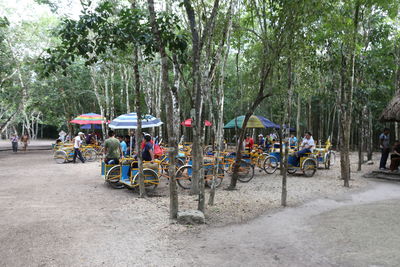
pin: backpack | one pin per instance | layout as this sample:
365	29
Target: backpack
158	151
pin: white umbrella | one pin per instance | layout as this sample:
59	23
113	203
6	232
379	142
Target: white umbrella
129	121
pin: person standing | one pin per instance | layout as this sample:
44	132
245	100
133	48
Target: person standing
132	140
384	140
14	142
112	149
124	147
77	147
24	141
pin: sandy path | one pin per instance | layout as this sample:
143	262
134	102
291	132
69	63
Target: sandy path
64	215
352	230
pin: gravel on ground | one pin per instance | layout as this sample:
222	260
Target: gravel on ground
64	214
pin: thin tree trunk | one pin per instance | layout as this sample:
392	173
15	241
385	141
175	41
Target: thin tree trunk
98	98
309	112
298	130
347	104
112	106
138	137
196	113
360	142
287	122
369	136
284	176
220	104
172	107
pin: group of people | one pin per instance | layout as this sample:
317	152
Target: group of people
120	146
262	142
90	138
117	147
307	145
24	140
266	142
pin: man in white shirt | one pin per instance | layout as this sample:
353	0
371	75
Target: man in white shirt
307	145
77	146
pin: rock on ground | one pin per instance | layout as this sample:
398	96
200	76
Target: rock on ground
191	217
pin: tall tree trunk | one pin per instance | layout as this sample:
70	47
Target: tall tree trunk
138	137
298	130
287	122
369	136
196	112
127	78
98	98
309	112
264	73
172	107
112	107
284	176
361	137
348	82
220	103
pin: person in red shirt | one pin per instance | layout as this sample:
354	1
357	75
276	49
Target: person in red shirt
249	142
144	142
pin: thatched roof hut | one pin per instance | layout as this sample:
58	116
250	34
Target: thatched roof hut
392	111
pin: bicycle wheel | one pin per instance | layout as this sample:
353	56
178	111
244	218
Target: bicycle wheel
60	156
291	170
228	159
151	180
184	176
165	165
113	176
260	160
246	171
327	160
309	167
90	155
332	158
270	164
208	150
209	176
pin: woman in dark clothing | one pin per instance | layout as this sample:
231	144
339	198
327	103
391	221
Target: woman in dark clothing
395	157
148	151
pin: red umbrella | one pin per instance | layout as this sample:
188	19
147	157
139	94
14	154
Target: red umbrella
188	123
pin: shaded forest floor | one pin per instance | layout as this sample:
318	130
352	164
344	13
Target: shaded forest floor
65	215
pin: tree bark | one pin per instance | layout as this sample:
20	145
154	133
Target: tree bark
98	98
138	136
360	142
220	103
347	88
172	107
298	115
284	176
196	113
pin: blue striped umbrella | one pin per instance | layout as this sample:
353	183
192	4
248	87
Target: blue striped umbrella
129	121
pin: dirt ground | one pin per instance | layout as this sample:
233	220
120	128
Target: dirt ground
354	229
65	215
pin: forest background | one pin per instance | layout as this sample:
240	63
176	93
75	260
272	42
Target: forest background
307	55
